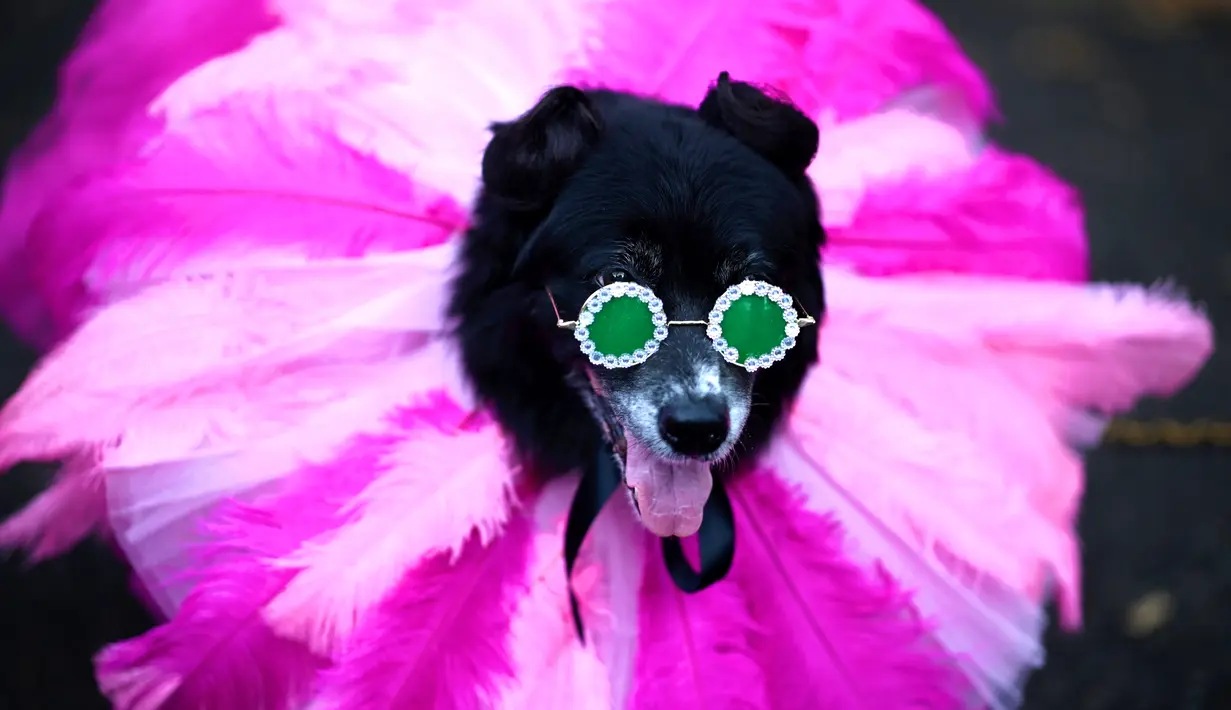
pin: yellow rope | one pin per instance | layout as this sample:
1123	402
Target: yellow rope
1168	433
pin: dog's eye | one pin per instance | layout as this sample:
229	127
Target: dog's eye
612	276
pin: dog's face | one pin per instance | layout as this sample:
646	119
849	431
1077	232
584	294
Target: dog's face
684	203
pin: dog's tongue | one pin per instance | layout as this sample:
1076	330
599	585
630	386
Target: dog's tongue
670	495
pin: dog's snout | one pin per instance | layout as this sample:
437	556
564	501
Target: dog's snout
695	426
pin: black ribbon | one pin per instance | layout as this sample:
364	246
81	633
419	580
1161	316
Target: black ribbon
716	538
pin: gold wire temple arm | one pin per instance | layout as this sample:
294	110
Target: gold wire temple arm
805	319
560	322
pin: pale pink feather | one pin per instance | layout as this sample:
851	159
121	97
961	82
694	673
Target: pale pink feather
440	640
432	493
834	635
698	651
189	360
1101	346
72	507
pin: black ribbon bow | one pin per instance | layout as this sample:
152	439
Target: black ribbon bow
716	537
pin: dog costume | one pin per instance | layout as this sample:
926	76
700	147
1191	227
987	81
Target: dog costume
234	236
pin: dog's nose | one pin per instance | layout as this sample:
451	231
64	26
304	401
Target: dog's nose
694	426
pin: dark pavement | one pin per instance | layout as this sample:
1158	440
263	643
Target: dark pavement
1131	101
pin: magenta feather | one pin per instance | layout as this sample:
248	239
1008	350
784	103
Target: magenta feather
1004	216
835	635
217	653
128	53
440	641
239	187
861	54
697	651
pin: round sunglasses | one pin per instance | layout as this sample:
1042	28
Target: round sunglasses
752	324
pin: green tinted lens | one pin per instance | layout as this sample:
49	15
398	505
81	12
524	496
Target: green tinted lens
621	325
753	324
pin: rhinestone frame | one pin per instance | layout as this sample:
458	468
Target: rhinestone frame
751	287
595	303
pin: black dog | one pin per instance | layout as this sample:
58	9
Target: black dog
594	187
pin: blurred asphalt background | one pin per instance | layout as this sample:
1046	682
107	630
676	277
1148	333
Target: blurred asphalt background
1131	101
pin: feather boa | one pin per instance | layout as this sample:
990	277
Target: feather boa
254	395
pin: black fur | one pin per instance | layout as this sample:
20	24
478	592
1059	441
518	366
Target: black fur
687	201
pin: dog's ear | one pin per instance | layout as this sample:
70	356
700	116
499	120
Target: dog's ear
770	125
528	160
